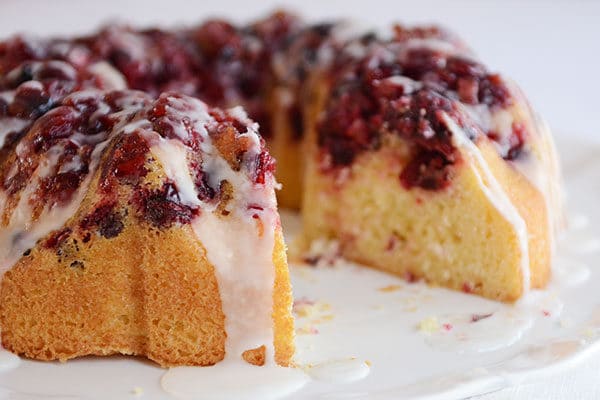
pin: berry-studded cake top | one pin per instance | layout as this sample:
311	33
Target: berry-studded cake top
65	103
117	137
404	86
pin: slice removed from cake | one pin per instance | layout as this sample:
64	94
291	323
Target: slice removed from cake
143	226
422	163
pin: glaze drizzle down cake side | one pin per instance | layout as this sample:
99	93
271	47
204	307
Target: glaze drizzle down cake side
141	226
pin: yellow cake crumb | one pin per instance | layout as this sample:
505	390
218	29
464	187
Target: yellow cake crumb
324	318
390	288
429	325
307	309
589	333
137	391
307	329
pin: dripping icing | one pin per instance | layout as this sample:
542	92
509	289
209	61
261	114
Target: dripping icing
245	272
494	192
22	232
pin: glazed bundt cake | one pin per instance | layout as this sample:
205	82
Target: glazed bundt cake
137	225
138	220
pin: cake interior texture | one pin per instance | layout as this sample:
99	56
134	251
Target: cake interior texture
137	219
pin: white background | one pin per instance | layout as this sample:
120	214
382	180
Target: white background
551	48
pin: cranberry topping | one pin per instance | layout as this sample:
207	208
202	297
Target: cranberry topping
162	207
218	38
14	183
404	91
16	50
356	120
236	62
222	117
427	170
37	87
152	60
227	64
126	161
105	219
169	117
517	141
61	143
59	124
57	238
30	102
59	188
265	164
205	192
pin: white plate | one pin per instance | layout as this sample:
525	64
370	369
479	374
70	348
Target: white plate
347	321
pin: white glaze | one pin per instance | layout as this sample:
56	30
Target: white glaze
541	167
494	192
8	96
172	155
578	222
240	247
22	232
245	274
493	327
111	78
233	381
339	371
409	85
458	333
539	162
439	45
243	263
9	125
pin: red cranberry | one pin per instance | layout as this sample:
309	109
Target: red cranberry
105	219
163	208
205	192
214	36
127	162
59	188
517	141
57	238
265	165
61	123
30	101
428	170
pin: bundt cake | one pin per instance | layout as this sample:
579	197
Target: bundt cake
137	225
138	220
